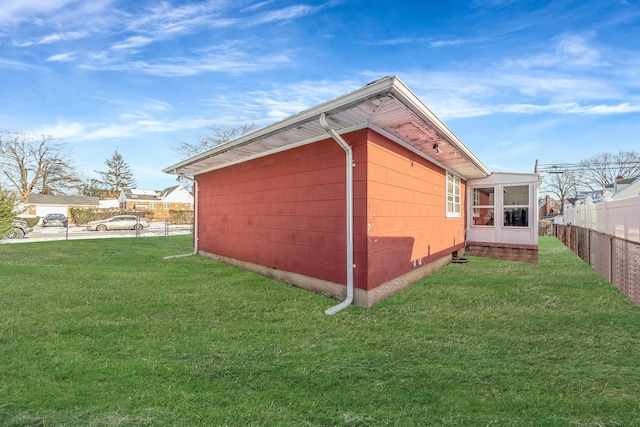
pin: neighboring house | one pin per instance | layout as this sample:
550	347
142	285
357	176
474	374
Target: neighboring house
159	202
43	204
620	189
548	207
357	198
109	204
627	188
584	195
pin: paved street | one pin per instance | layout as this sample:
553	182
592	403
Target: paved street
40	234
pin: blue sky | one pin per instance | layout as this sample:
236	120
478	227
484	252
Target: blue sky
517	81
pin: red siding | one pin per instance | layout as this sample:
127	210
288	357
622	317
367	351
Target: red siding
285	211
407	223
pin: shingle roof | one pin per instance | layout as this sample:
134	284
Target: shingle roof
47	199
148	195
164	193
137	194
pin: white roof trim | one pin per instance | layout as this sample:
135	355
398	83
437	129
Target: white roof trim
386	106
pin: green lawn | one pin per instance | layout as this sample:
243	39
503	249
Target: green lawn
106	333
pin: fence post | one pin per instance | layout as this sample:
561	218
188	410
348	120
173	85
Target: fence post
606	228
612	259
589	233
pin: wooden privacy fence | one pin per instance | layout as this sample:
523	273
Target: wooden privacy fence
616	259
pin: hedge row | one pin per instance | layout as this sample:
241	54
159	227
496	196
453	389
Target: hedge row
81	216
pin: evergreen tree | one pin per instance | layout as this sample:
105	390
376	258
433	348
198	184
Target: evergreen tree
117	176
7	205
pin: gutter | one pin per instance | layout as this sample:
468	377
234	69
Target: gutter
349	217
196	191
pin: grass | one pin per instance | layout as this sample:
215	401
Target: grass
106	333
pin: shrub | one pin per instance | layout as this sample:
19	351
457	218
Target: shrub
81	216
180	216
545	228
31	221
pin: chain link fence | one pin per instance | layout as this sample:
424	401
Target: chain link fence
74	232
616	259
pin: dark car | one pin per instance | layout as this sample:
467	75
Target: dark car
20	229
54	220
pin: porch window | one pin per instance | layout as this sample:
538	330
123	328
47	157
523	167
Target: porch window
516	206
453	195
484	206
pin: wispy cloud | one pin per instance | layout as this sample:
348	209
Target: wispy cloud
442	43
473	93
417	41
132	42
291	12
225	61
570	50
398	41
83	131
20	65
62	57
63	129
18	10
71	35
52	38
284	100
623	108
148	110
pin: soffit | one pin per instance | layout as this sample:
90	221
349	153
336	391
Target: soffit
386	105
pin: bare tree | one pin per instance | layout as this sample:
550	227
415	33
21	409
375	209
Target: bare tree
93	187
56	178
563	185
220	136
33	164
605	168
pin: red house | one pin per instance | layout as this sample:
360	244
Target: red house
356	198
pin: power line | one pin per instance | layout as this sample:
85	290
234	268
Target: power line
586	167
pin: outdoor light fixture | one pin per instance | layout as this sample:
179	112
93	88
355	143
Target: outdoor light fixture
437	148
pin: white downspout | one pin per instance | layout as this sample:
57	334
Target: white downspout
196	191
349	178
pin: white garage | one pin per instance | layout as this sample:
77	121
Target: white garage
43	204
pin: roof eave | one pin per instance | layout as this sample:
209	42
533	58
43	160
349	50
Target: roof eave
372	90
388	86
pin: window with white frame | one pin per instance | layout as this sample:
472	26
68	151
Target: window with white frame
453	195
483	206
516	206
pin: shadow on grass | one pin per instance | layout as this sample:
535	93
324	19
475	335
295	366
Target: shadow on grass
107	333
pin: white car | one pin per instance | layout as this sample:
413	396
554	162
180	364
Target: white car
119	222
